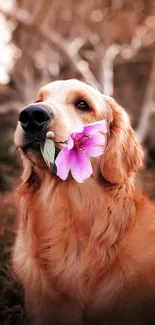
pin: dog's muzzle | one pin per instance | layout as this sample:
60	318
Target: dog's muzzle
34	117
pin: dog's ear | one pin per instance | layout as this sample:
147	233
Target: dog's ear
123	155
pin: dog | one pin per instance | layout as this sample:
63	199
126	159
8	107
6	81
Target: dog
84	253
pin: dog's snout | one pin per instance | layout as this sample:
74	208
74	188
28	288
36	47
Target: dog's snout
34	117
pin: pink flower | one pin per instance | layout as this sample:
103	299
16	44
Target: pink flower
83	141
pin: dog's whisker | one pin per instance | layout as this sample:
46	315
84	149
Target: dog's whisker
32	162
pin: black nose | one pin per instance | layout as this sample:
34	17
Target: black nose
34	117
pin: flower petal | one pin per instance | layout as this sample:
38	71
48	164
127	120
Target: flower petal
100	126
95	145
63	163
76	128
70	142
80	166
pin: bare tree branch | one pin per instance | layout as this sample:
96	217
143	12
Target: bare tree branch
107	68
11	106
52	38
148	107
75	46
127	53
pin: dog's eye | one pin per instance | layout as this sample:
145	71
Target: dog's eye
82	105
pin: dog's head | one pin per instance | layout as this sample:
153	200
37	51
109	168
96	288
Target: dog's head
63	103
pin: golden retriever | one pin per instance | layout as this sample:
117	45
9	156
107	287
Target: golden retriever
85	253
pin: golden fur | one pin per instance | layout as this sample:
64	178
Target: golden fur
85	253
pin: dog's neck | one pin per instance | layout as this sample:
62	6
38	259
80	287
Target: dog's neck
77	227
101	211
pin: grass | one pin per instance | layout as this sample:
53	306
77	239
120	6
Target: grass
11	293
11	298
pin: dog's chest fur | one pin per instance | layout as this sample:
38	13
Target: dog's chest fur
65	254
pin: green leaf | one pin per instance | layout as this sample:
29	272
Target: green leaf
48	152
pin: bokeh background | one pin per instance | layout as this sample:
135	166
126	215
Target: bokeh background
107	43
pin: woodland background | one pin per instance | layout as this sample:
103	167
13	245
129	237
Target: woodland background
107	43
